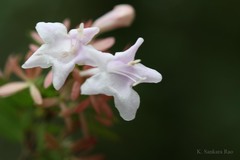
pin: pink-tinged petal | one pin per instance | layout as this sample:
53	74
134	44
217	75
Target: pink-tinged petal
36	95
82	105
103	44
49	102
75	90
48	79
36	37
126	99
76	75
14	67
95	104
121	16
67	23
11	88
128	55
88	23
51	32
33	47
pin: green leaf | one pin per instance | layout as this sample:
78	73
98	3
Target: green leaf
10	126
102	131
15	115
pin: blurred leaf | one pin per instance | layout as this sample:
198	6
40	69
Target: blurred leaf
39	132
10	126
101	131
21	99
15	115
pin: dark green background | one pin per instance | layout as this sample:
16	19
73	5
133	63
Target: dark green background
193	43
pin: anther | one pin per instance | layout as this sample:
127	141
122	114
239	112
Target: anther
131	63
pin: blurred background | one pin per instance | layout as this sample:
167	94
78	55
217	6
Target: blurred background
194	44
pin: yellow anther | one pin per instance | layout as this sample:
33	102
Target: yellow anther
131	63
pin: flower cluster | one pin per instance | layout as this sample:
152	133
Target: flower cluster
81	65
112	75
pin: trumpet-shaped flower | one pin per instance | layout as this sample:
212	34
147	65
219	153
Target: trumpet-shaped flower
61	50
116	75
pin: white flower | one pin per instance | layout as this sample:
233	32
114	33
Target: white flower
116	75
61	50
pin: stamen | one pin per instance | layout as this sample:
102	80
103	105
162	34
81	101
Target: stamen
123	74
136	83
80	30
72	51
131	63
134	77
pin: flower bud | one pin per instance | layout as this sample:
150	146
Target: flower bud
121	16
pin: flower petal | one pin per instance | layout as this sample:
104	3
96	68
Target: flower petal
67	23
127	102
48	79
13	67
50	32
75	90
138	73
36	95
35	36
60	73
11	88
126	99
38	59
33	47
85	35
104	44
92	57
88	34
129	54
150	75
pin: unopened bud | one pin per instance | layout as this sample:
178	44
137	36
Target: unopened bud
121	16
